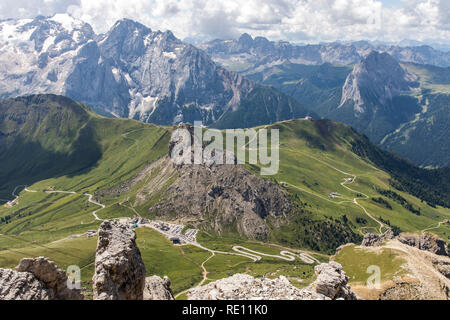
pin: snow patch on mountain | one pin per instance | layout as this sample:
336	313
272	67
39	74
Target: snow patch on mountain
130	71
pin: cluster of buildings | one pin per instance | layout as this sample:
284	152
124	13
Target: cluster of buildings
174	232
334	195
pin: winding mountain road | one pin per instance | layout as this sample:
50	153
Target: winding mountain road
284	255
247	253
343	184
435	227
90	198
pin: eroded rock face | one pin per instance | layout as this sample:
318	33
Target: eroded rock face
231	191
403	291
331	283
158	289
425	242
443	267
21	286
246	287
36	279
236	197
373	239
378	76
119	269
53	278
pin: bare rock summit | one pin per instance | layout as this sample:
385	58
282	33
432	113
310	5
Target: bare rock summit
119	269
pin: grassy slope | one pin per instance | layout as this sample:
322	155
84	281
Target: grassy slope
126	147
27	129
356	262
309	163
310	158
411	123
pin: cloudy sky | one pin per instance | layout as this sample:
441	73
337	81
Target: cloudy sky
293	20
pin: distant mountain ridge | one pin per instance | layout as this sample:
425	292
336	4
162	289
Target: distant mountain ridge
248	54
130	71
401	106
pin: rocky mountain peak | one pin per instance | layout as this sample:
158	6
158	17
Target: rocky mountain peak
125	38
54	35
381	62
127	25
376	79
130	71
126	28
245	41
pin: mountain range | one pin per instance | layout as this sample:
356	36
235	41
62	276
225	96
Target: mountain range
396	95
129	71
401	106
248	54
86	137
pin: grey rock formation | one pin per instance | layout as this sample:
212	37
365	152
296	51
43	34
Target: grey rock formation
246	287
377	77
53	278
158	289
36	279
21	286
119	269
426	242
376	96
230	190
331	283
374	239
404	291
240	199
443	267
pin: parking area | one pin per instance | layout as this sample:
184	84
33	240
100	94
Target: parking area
174	232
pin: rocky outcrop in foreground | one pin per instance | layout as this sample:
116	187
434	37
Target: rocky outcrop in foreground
158	289
425	242
119	269
331	283
36	279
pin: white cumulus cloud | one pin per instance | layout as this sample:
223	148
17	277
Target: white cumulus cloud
294	20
